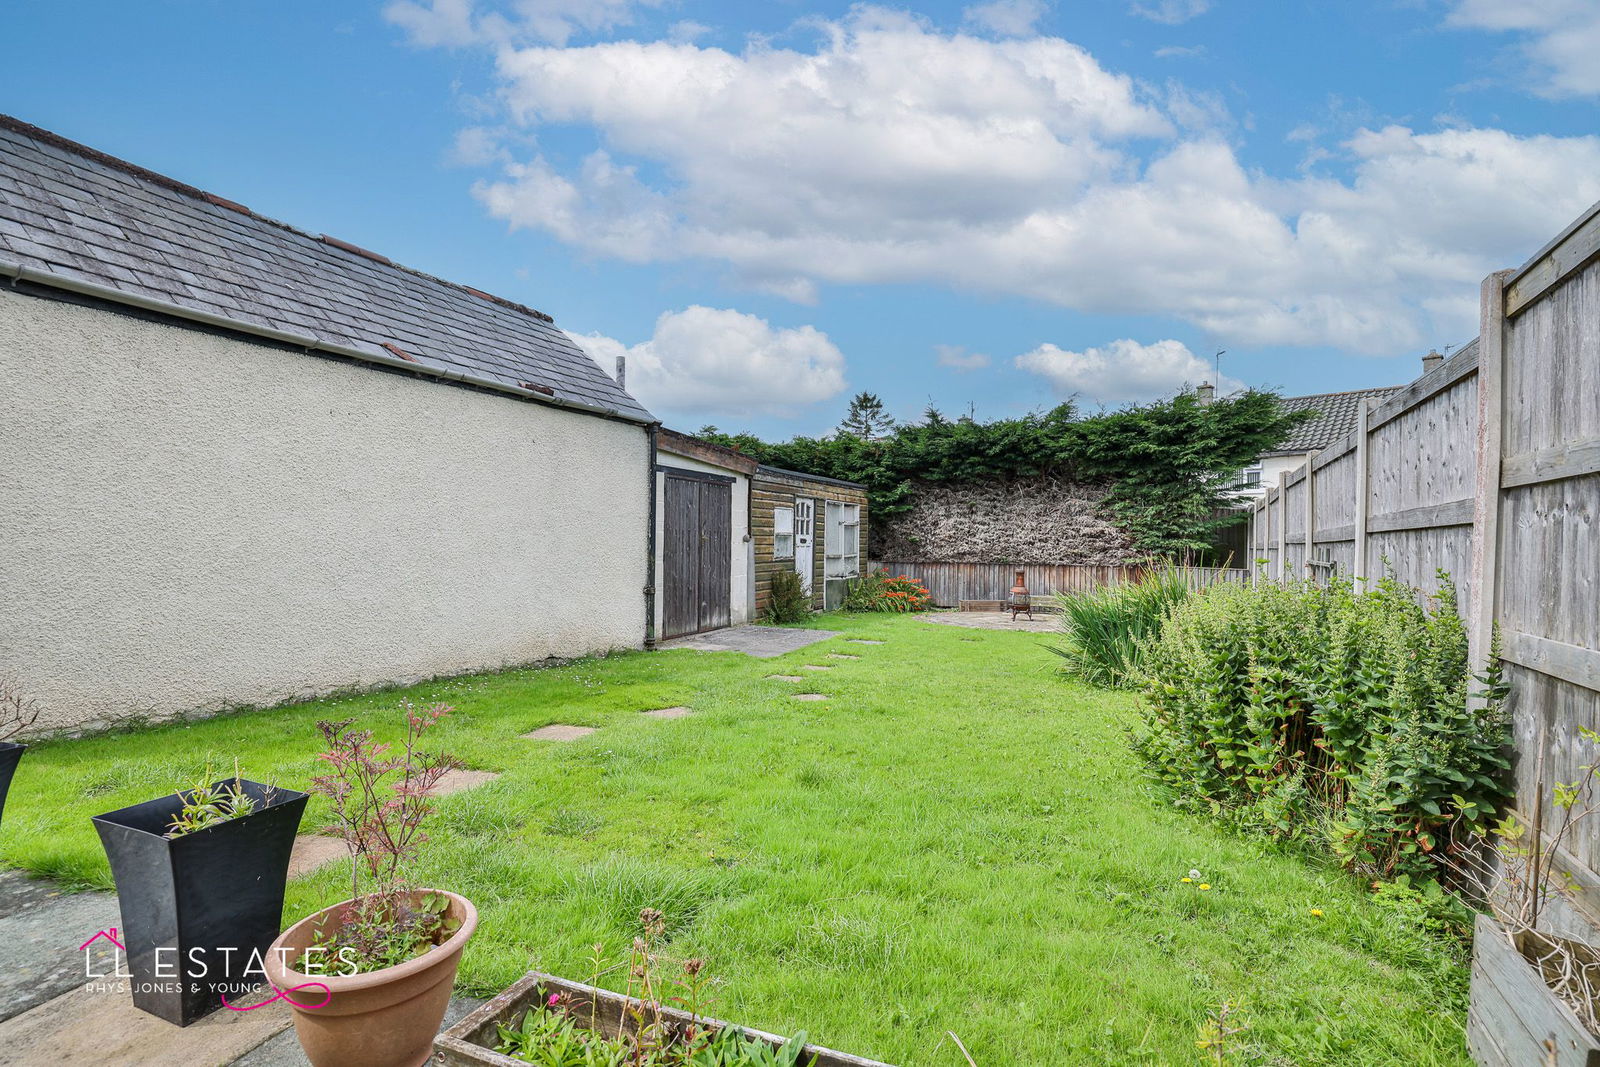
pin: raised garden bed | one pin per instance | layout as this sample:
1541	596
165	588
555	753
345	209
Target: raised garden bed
472	1041
1514	1018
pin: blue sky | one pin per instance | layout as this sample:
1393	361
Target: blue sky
768	206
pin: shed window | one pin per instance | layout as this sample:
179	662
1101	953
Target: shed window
783	533
842	540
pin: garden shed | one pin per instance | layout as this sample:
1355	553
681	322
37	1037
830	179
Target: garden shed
705	567
247	463
813	525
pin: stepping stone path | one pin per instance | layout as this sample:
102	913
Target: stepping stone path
814	667
559	732
667	713
785	678
863	641
843	655
810	696
313	852
461	779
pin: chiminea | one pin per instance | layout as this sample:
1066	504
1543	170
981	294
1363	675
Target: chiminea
1020	600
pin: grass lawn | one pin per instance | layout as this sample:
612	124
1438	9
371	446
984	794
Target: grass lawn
956	840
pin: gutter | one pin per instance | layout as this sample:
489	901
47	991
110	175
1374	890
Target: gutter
18	272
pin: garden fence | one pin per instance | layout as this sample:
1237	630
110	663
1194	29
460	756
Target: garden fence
1487	468
951	583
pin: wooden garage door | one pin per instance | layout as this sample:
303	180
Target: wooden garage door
697	553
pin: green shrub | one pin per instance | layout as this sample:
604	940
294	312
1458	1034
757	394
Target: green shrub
879	591
1308	710
789	601
1106	629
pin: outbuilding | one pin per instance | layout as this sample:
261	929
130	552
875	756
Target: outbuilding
705	566
246	464
814	526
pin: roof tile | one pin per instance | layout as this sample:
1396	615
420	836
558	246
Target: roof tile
74	211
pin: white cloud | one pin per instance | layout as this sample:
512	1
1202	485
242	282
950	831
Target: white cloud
893	153
1169	12
1562	38
706	361
453	23
1008	18
1122	371
1174	51
959	359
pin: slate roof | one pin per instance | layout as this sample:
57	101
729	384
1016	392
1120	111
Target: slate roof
80	214
1335	417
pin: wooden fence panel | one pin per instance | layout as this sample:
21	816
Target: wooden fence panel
1547	563
1488	468
951	583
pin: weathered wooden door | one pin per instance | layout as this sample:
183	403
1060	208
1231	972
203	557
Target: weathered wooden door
697	553
804	525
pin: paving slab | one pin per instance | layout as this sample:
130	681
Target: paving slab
284	1049
842	655
559	732
863	641
315	851
96	1023
763	642
667	713
41	931
810	696
785	678
461	779
996	620
814	667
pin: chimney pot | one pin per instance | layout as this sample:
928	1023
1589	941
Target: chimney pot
622	372
1431	361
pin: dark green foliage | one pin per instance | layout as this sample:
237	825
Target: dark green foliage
789	601
1169	464
1312	711
1108	627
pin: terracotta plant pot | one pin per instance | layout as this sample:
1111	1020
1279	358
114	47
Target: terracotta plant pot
386	1018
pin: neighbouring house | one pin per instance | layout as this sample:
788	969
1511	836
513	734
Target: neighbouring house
815	526
705	562
1334	416
245	463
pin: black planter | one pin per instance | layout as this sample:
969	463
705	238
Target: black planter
199	911
10	756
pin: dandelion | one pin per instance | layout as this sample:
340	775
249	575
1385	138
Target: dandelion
1205	885
1194	876
1317	912
1186	879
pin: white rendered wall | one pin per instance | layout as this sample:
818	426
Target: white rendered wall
190	521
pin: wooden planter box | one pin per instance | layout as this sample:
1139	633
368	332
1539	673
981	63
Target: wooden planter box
1514	1019
471	1042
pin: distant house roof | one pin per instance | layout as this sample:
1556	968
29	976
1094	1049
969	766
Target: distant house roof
69	213
1335	416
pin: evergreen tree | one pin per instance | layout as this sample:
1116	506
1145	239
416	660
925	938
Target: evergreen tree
866	418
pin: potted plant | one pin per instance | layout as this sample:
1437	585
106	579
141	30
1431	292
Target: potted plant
17	713
1535	995
553	1022
200	877
369	978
